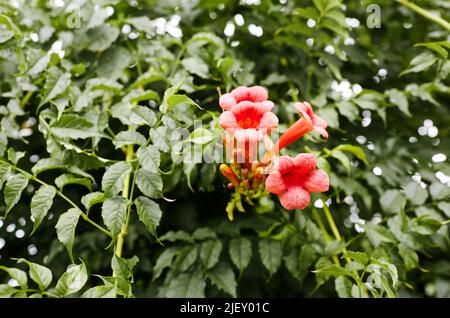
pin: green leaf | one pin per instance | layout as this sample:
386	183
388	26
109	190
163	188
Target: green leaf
17	274
201	136
41	204
39	65
113	213
359	257
13	190
439	191
392	201
160	138
444	207
399	99
186	258
72	280
129	138
336	271
100	292
172	236
149	183
74	127
196	65
100	38
378	234
7	291
223	277
92	198
435	46
56	84
204	233
164	260
271	254
146	114
65	229
210	251
187	285
409	256
143	24
40	274
357	151
15	156
240	250
67	178
415	193
149	213
123	271
339	155
343	287
420	63
47	164
149	158
114	178
176	99
6	21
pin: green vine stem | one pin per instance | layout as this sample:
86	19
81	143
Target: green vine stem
61	195
327	236
425	13
127	195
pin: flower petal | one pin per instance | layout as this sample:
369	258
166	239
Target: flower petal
275	183
257	94
317	181
321	131
248	135
305	162
285	164
227	101
268	121
227	120
295	198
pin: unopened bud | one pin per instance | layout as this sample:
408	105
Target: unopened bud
228	173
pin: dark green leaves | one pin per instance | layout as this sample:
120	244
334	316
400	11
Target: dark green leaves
40	204
415	193
56	84
129	138
392	201
271	254
114	213
39	274
223	277
149	213
72	280
240	252
187	285
149	158
74	127
114	178
149	183
210	251
13	189
65	229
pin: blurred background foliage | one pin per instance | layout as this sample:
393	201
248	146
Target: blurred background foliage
115	73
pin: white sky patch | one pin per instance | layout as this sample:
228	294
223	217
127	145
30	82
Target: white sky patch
57	3
330	49
352	22
349	41
318	203
239	19
250	2
34	37
57	49
109	11
229	29
32	250
422	131
311	23
20	233
432	132
2	243
382	72
439	157
357	89
255	30
361	139
126	28
412	139
377	171
310	41
428	123
442	177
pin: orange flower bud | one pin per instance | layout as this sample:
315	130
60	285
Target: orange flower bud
226	171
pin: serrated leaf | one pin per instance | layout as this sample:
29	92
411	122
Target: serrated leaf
439	191
74	127
40	274
72	280
359	257
201	136
187	285
13	190
271	254
7	291
164	260
143	24
415	193
92	198
210	252
17	274
101	37
196	65
335	270
149	158
240	250
172	236
149	183
114	178
100	292
160	138
4	169
146	114
204	233
67	178
409	256
444	207
399	99
420	63
185	258
129	138
149	213
47	164
176	99
41	204
392	201
339	155
57	82
357	151
65	229
223	277
113	213
378	234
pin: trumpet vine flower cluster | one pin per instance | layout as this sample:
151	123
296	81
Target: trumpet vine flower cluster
247	120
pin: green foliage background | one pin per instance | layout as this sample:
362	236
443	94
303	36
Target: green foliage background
126	79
